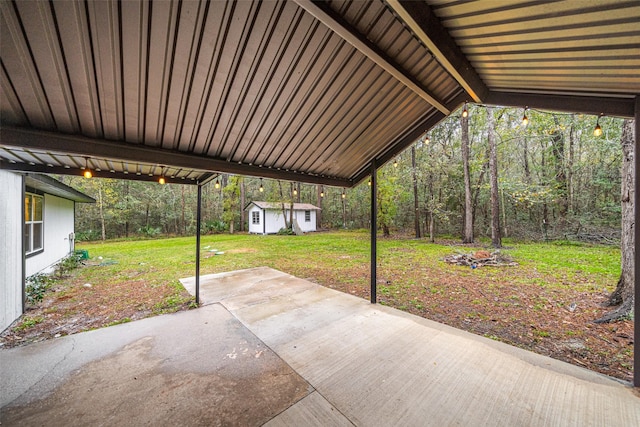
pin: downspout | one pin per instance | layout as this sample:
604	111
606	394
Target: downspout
374	230
636	264
264	221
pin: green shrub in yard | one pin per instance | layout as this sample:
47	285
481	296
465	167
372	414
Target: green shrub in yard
149	231
68	264
36	286
214	227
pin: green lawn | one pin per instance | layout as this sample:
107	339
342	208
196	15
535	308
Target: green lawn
546	303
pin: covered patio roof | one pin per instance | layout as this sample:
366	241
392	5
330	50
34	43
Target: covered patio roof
296	90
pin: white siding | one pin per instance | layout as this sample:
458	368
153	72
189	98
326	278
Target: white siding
11	223
275	220
306	226
58	224
256	228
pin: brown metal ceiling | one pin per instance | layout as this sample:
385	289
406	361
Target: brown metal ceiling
298	90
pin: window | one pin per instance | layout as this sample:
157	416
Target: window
307	216
33	235
255	217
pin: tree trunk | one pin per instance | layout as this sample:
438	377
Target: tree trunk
557	147
242	203
496	237
623	295
298	195
319	203
468	212
100	205
287	224
416	206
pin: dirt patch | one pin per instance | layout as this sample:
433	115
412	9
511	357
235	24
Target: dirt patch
242	251
73	305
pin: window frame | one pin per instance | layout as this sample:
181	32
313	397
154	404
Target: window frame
255	217
31	223
307	216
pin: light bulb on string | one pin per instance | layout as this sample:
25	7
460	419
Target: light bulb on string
597	131
87	172
525	119
344	195
321	191
395	163
217	184
465	112
261	187
161	180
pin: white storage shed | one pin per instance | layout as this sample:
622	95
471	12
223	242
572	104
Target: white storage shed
267	217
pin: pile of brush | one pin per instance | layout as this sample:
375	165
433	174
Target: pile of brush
481	259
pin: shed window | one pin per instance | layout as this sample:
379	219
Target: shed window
307	216
255	217
33	224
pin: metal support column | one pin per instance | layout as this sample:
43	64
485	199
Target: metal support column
198	224
374	230
636	243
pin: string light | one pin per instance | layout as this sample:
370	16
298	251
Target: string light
321	191
525	119
426	139
87	172
465	112
344	195
217	184
295	191
395	163
161	180
369	182
597	131
261	187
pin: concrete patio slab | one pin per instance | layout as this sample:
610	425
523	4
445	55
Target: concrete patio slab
269	348
200	367
380	366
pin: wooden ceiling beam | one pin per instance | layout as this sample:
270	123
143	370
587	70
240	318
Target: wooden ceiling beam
608	106
341	27
104	149
425	24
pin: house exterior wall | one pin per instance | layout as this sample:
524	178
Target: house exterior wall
11	224
58	218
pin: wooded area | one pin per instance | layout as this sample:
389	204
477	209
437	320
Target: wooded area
553	179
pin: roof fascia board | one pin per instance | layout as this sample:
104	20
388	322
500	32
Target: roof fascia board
619	107
100	148
428	28
339	26
57	170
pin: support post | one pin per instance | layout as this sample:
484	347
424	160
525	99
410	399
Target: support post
374	230
198	223
636	264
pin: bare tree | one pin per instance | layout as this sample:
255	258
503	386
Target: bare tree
416	206
496	237
468	206
623	295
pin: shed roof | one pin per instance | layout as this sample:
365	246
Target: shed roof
298	90
49	185
278	206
